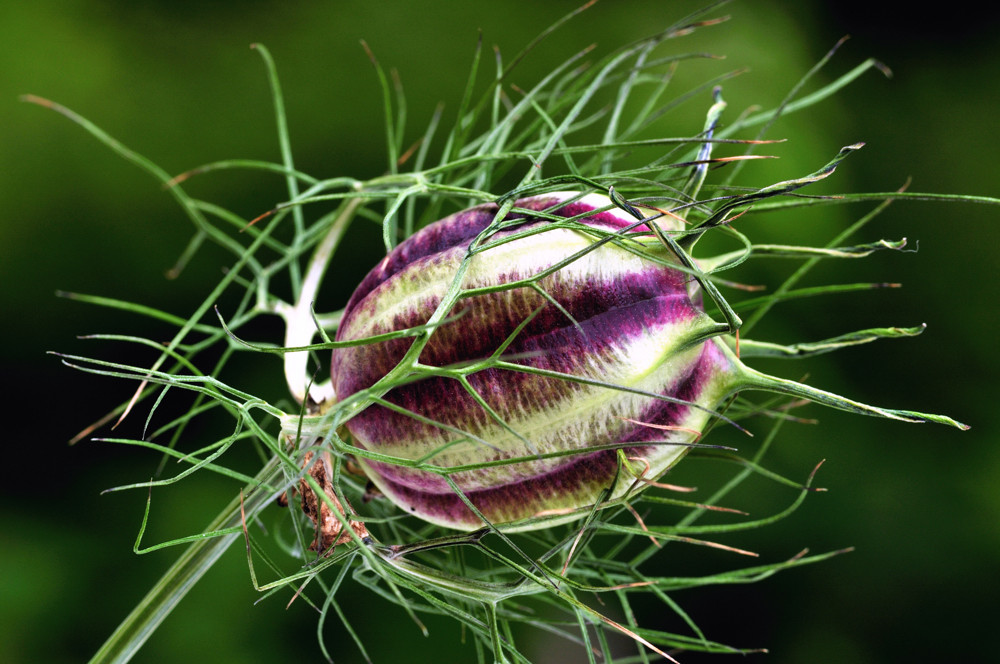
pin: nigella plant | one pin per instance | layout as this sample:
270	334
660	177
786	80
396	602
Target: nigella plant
544	341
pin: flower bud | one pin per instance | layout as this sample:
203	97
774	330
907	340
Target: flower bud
610	314
578	341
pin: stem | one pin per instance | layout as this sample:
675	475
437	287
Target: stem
301	326
286	149
199	557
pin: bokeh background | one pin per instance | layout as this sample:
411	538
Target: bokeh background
176	82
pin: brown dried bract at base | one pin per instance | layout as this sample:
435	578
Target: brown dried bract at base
329	528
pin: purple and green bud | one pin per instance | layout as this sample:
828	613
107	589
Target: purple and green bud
575	358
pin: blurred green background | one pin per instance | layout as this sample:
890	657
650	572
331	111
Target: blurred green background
176	82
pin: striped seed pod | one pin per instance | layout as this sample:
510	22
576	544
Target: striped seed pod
611	351
562	355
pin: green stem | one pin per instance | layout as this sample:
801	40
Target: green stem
199	557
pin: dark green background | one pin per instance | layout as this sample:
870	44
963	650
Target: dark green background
176	81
